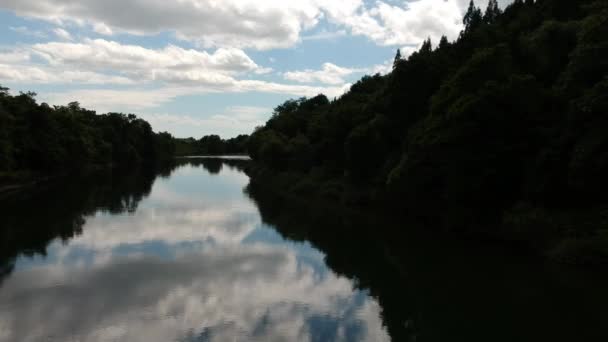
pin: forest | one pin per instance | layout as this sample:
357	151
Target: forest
500	133
39	139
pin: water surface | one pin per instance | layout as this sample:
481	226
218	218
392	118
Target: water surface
182	258
195	251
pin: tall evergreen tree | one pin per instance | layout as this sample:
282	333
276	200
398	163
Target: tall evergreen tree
492	12
397	58
443	42
473	18
427	46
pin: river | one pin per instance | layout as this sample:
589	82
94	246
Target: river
194	252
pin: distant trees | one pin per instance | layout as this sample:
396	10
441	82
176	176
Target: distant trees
212	145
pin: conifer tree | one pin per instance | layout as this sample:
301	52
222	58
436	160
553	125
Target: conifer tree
492	12
427	46
397	58
443	42
473	18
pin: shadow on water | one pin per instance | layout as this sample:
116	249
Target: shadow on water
430	289
445	289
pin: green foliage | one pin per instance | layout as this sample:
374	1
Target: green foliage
36	137
514	111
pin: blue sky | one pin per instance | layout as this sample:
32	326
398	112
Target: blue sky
196	67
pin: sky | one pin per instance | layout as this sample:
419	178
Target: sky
198	67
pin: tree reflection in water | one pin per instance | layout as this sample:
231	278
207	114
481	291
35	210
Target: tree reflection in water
429	289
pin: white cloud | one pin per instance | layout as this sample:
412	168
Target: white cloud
329	74
398	23
15	56
37	75
126	64
393	25
102	29
234	23
261	24
382	69
406	51
63	34
100	54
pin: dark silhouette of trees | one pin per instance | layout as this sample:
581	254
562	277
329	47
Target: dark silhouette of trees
499	132
492	12
473	18
397	58
39	138
212	145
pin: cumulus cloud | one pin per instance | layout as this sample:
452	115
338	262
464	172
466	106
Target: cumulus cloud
37	75
409	23
127	64
15	56
255	23
102	54
398	23
329	74
244	23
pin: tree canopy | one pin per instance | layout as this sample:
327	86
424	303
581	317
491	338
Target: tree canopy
504	127
38	137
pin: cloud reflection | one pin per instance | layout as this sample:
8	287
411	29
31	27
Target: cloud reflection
210	285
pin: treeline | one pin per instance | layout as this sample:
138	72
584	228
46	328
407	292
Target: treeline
212	145
40	138
501	132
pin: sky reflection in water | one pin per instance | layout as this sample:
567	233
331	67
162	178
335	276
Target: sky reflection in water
194	262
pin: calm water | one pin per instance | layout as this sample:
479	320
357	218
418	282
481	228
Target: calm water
192	253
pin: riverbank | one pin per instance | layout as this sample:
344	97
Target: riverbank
564	235
25	180
11	182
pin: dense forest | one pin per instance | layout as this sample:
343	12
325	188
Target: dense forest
38	138
502	132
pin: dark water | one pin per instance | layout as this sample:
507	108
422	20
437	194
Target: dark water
193	252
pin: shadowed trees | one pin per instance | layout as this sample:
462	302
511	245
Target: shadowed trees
496	132
212	145
39	138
